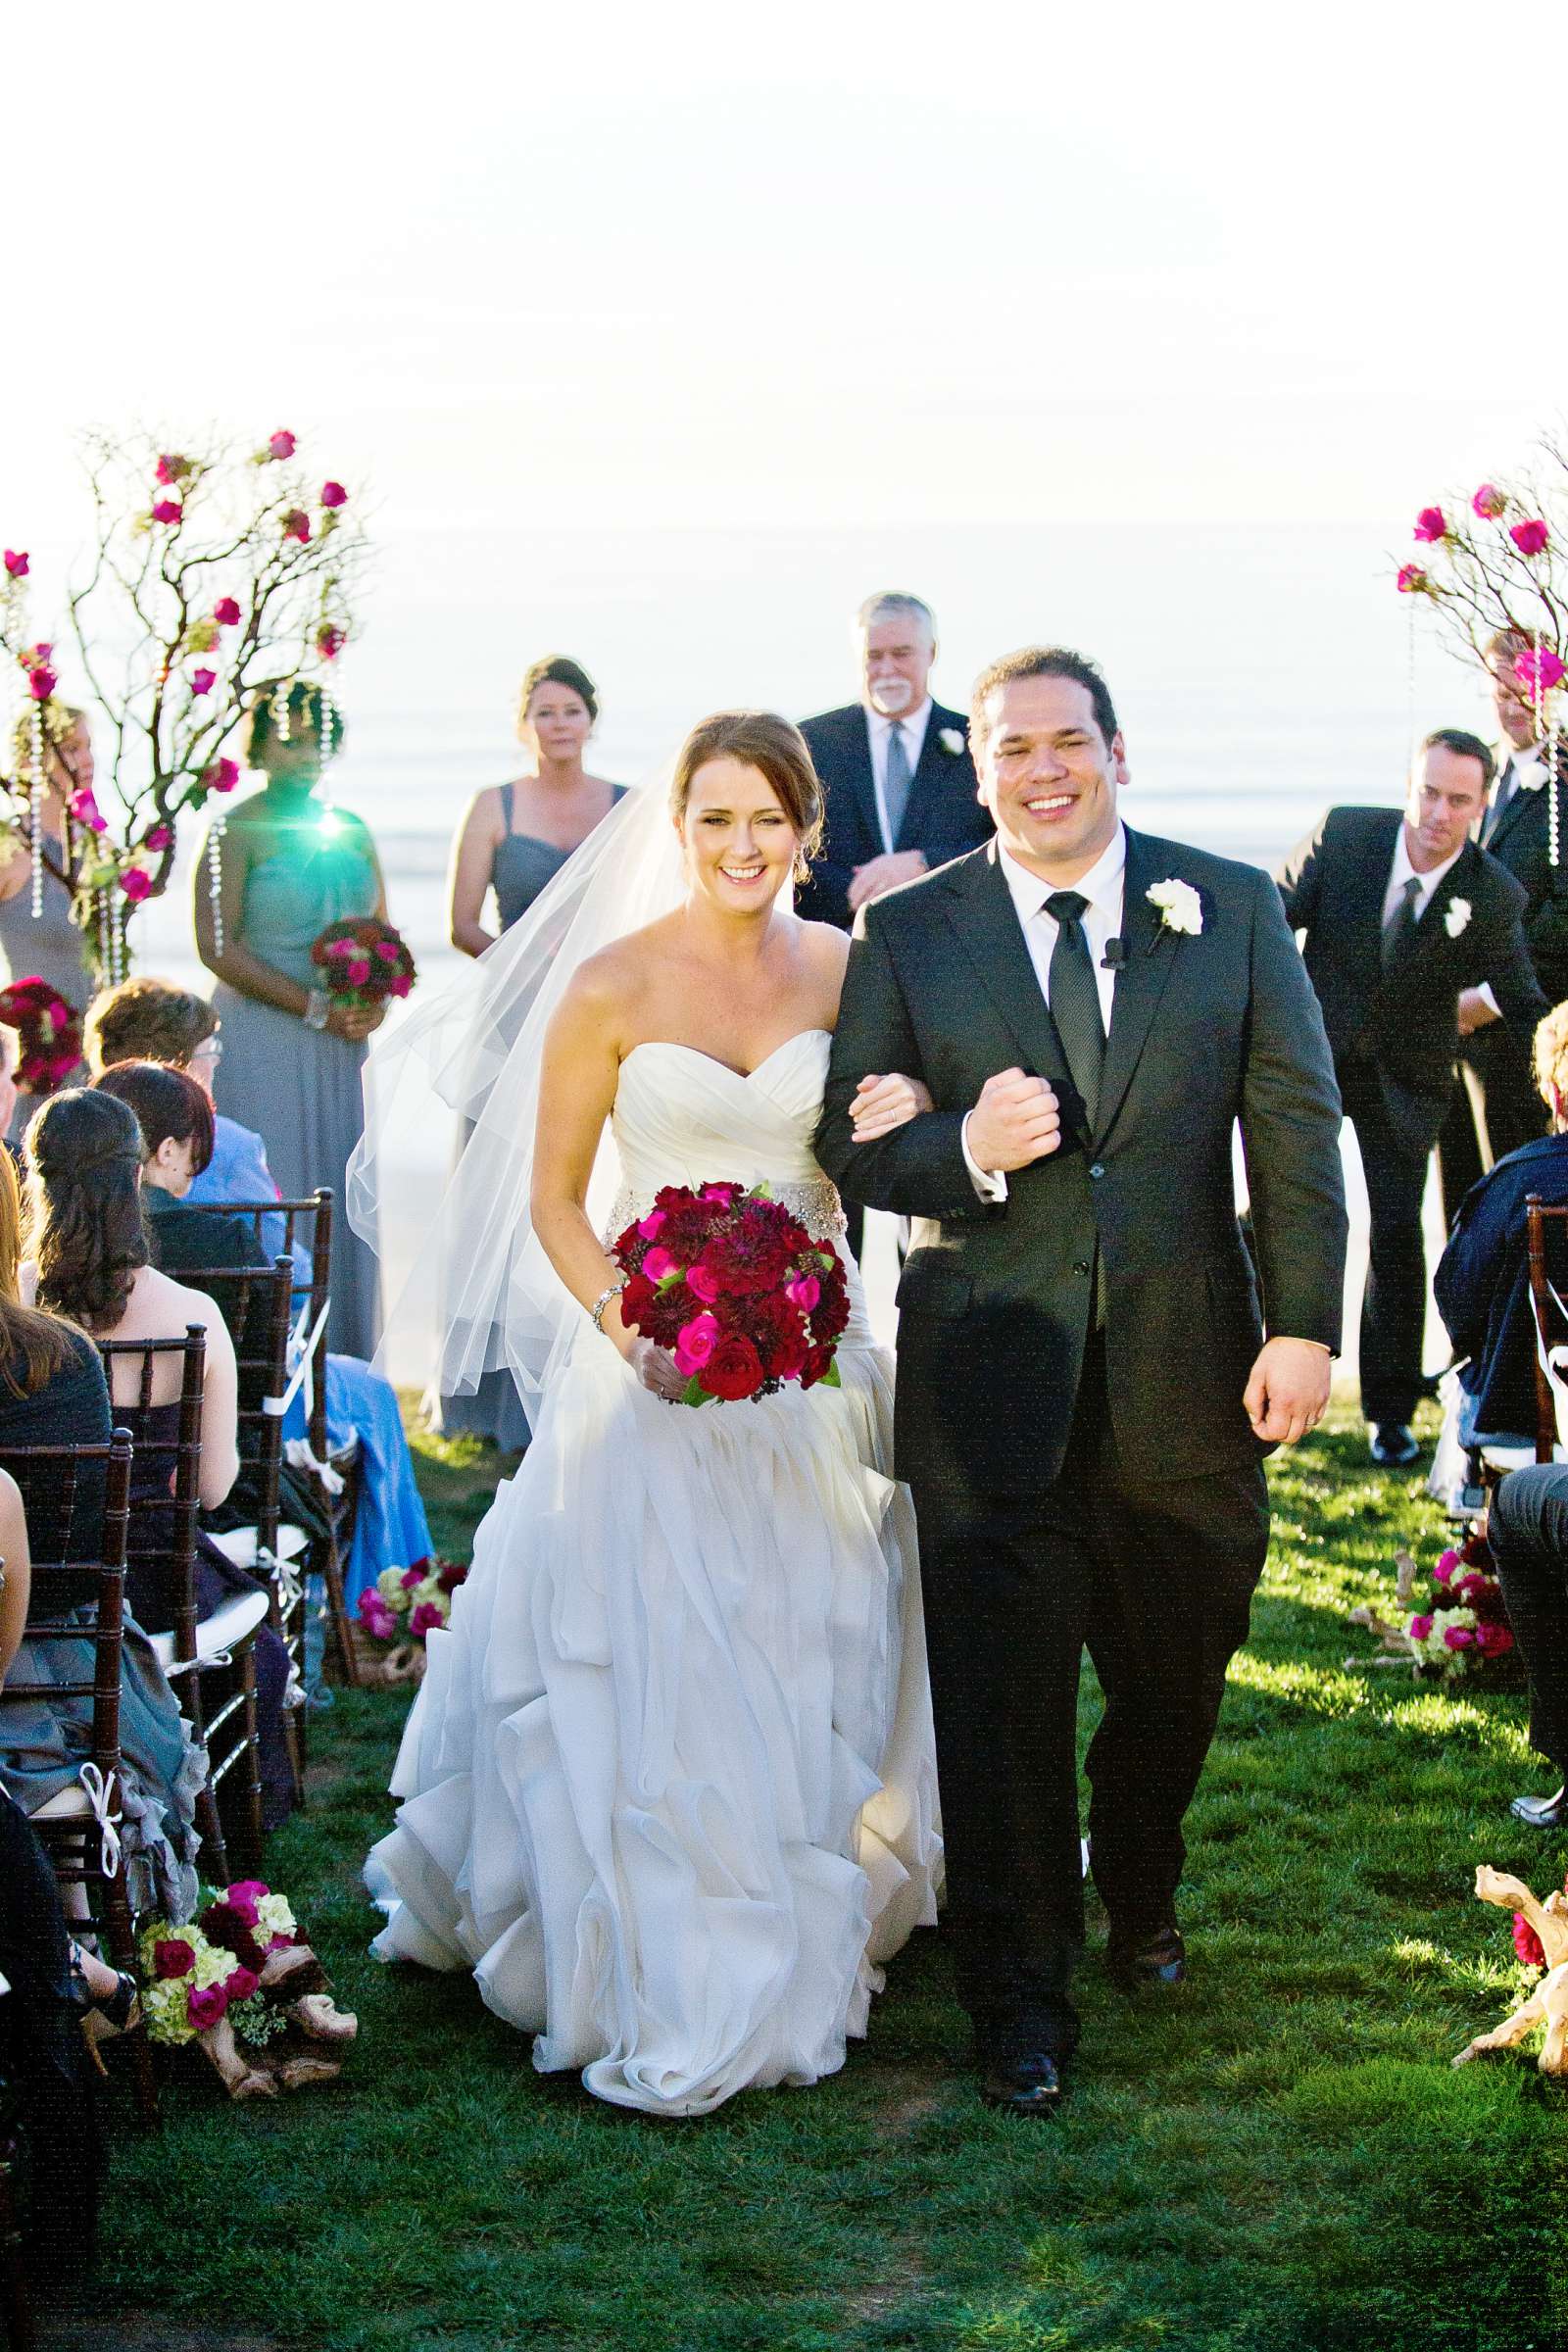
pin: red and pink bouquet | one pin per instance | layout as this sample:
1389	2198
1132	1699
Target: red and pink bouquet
243	1981
363	961
1450	1626
48	1034
736	1289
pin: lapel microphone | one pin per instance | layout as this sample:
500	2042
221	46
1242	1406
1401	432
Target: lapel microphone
1115	956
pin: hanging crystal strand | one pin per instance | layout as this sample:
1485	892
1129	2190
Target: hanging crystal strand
117	939
102	912
325	713
215	877
35	800
1553	798
281	715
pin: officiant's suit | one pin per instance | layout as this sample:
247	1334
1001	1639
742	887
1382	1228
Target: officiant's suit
1392	1022
1516	831
940	818
1071	1367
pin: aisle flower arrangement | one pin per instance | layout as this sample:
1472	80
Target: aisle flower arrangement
240	1981
398	1611
1449	1627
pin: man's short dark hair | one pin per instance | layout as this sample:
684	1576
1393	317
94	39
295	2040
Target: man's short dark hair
1042	662
1467	747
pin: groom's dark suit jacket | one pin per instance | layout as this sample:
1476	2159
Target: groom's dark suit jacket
941	818
996	1301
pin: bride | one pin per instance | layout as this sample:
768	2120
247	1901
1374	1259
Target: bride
668	1786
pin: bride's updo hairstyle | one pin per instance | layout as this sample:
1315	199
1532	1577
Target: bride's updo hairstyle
759	739
84	1223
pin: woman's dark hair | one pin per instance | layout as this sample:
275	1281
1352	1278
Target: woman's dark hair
85	1222
557	670
1041	661
304	718
759	739
33	1347
168	1106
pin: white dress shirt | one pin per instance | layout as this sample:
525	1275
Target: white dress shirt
1402	871
912	724
1104	886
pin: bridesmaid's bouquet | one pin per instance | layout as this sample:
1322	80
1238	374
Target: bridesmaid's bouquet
363	961
48	1034
736	1289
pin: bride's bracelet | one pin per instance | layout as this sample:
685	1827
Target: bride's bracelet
596	1313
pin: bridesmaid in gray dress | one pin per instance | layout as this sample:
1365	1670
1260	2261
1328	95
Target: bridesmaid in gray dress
513	839
49	943
291	1059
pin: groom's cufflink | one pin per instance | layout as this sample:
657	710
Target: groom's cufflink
989	1187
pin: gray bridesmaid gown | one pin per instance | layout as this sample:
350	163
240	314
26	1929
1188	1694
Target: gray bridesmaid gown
300	1088
522	867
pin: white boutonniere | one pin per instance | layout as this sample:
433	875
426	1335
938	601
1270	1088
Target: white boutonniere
1455	917
1180	907
952	740
1529	775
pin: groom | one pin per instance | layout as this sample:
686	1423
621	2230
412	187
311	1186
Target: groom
1085	1390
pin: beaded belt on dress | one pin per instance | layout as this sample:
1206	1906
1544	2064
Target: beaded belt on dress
816	1202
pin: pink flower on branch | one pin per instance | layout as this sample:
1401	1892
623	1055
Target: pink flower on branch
1529	537
1488	501
330	640
1431	526
136	883
159	838
202	681
41	682
173	468
169	510
297	525
281	445
223	776
1411	580
333	494
227	612
1538	669
17	565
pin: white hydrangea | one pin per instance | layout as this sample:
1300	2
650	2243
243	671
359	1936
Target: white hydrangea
429	1589
274	1917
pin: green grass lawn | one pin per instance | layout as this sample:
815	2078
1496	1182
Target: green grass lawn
1277	2156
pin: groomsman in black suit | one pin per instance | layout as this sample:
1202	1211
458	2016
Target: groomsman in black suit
896	776
895	766
1517	830
1401	914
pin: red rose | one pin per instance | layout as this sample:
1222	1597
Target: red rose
168	510
221	1924
1529	537
240	1984
172	1957
227	612
734	1370
636	1299
819	1362
333	494
778	1329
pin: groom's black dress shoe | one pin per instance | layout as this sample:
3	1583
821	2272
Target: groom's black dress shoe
1394	1446
1029	2083
1157	1958
1543	1812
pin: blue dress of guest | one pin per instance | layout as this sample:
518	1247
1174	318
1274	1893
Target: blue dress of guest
238	1172
1482	1288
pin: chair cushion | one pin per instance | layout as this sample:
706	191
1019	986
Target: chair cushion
239	1545
64	1802
222	1630
1515	1457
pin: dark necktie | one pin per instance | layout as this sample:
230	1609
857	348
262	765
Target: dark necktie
1075	998
896	783
1399	932
1507	784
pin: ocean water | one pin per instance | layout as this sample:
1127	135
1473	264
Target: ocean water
1261	673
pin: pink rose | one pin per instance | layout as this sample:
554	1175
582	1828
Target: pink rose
426	1619
1539	670
330	641
1458	1636
695	1342
1444	1572
401	985
159	838
245	1892
659	1266
1411	579
227	612
207	2008
1494	1639
723	1196
297	525
172	1957
333	494
340	947
1469	1586
168	510
1527	1943
281	445
1419	1627
387	950
703	1283
240	1984
375	1617
358	971
650	1226
1431	526
136	883
17	565
414	1576
42	683
1488	501
173	470
1529	537
803	1291
202	681
221	775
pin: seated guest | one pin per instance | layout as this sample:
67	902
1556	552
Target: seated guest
1483	1278
390	1529
91	1259
53	1393
1527	1530
176	1125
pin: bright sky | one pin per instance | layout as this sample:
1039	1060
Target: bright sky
816	265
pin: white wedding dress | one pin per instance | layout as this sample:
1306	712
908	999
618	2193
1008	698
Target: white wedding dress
668	1786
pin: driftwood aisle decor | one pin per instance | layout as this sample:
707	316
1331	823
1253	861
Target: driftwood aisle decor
1538	1927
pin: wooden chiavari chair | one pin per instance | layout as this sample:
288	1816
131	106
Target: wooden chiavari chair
77	1609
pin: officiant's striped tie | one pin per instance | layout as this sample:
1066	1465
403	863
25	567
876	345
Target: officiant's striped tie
896	783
